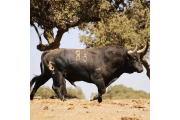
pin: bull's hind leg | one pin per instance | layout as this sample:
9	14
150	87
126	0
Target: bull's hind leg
39	80
57	82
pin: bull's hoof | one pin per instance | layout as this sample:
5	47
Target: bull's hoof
99	99
31	98
92	98
63	99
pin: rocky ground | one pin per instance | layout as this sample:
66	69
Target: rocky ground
80	109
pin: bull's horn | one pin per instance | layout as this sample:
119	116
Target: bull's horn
130	52
142	50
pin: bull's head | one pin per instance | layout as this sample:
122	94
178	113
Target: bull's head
134	62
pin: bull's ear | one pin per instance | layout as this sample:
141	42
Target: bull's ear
127	58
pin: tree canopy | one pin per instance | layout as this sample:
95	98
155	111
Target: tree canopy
132	25
108	21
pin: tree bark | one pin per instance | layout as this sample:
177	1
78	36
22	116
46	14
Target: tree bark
53	43
49	35
146	65
144	62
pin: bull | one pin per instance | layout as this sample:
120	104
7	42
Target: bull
100	66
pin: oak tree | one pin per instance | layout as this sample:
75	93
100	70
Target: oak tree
105	22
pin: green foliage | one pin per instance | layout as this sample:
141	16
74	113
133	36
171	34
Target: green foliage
50	14
122	92
76	92
45	92
121	28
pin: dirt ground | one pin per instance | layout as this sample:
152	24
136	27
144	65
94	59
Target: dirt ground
80	109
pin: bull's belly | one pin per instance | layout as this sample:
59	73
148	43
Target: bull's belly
73	77
75	80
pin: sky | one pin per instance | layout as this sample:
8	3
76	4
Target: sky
70	39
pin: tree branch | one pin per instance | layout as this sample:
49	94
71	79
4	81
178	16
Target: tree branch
59	34
78	22
144	62
55	44
147	47
49	35
42	47
40	40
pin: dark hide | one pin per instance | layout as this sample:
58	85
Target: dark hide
100	66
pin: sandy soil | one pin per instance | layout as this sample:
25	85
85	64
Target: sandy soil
79	109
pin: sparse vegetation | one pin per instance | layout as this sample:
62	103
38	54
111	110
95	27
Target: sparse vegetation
122	92
46	92
76	92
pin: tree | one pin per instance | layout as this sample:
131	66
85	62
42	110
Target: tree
87	15
65	14
124	28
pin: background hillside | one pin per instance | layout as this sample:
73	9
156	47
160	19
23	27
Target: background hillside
112	92
122	92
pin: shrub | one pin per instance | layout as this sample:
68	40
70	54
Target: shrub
122	92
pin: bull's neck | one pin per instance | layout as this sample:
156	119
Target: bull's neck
119	65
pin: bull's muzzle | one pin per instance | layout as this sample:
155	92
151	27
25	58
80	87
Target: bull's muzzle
140	70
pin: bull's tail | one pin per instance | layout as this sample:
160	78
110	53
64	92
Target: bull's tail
42	63
34	80
42	70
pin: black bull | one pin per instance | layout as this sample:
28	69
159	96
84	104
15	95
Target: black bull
100	66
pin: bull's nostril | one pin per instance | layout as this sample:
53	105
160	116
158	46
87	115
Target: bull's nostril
141	70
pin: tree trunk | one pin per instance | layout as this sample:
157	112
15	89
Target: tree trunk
144	62
146	65
53	43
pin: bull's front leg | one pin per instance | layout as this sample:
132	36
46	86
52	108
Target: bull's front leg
101	90
99	96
